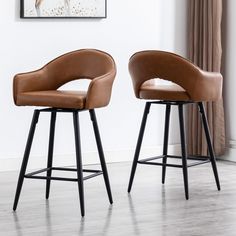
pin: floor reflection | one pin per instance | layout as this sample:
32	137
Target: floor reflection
106	226
48	221
102	227
133	215
17	224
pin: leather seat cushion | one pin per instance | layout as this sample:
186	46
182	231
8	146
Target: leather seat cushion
171	92
53	98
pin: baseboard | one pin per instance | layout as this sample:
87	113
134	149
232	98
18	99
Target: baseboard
36	162
230	154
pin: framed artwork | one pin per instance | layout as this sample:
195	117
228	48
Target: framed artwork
63	9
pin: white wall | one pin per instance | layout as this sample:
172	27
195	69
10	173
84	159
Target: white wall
229	58
28	44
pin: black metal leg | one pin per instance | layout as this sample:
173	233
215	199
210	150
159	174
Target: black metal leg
165	145
139	143
183	148
209	143
50	151
79	160
26	157
101	153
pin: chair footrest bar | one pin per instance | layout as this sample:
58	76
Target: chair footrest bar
38	172
200	160
153	158
51	178
74	169
197	158
159	164
198	163
32	175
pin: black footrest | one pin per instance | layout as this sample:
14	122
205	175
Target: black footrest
33	175
199	160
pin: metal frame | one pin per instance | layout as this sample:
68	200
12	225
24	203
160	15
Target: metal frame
184	157
34	175
199	161
50	168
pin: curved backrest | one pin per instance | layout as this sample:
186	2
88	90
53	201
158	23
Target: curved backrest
200	85
84	63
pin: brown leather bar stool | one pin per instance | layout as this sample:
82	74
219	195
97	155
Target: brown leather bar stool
191	85
40	88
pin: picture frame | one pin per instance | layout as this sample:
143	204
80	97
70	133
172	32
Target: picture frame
37	9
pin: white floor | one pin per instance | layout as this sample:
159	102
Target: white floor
150	209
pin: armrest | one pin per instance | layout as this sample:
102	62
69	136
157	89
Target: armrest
30	81
208	86
99	91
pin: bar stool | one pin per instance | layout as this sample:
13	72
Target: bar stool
40	88
190	85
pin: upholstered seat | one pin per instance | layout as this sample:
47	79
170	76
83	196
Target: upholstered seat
163	92
53	98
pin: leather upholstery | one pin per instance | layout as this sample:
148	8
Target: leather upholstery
165	92
40	88
191	83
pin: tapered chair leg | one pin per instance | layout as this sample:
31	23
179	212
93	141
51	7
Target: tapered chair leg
101	153
165	144
183	149
79	160
50	151
139	143
209	143
26	157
